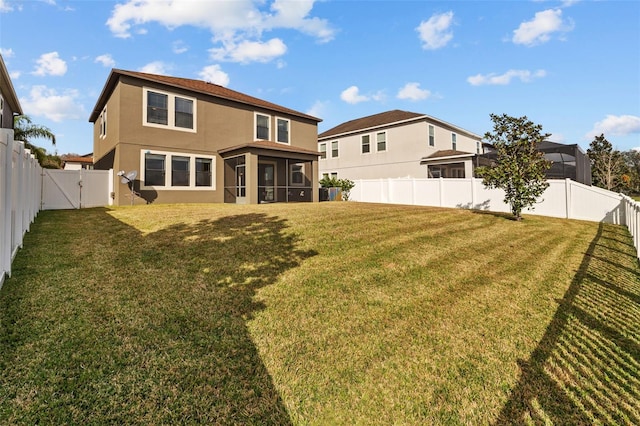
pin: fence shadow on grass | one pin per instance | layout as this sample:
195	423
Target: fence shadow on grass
586	368
163	334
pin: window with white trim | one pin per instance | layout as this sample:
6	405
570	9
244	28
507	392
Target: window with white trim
296	174
381	139
176	171
432	135
478	148
334	149
282	129
103	123
323	150
168	110
454	141
1	112
262	126
365	144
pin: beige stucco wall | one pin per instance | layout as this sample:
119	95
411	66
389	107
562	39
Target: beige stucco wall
220	124
406	145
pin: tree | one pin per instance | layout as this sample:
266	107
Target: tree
607	164
24	130
632	164
519	168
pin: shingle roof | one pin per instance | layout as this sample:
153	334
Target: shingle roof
375	120
448	153
270	145
197	86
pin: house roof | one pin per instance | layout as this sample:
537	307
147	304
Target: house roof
393	117
196	86
86	159
269	145
7	90
446	154
371	121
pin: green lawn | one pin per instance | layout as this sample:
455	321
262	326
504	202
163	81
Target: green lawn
330	313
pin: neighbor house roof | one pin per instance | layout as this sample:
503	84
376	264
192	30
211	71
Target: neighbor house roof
7	90
446	154
388	118
196	86
85	159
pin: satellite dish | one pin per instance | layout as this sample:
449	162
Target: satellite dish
128	177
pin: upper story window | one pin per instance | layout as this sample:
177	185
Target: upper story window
454	141
323	150
283	125
1	112
262	126
381	139
432	135
103	123
366	144
478	148
334	149
177	171
167	110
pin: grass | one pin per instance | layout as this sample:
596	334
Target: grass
334	313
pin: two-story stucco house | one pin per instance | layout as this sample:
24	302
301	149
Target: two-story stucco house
397	144
9	103
193	141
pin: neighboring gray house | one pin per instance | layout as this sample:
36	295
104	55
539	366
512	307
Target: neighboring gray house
395	144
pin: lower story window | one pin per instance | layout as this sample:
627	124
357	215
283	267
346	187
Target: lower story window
154	169
203	172
179	171
296	174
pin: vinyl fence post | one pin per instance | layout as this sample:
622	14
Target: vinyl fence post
567	196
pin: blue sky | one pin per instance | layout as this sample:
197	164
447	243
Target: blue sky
571	66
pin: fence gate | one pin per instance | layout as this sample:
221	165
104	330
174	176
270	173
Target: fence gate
75	189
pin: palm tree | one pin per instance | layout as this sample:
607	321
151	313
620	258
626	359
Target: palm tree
24	130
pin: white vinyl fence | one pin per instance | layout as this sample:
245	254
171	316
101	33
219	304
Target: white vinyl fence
564	199
20	189
76	189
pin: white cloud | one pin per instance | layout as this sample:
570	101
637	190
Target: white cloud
617	125
351	95
233	24
4	6
525	76
15	75
50	64
106	60
541	27
179	47
214	74
156	67
249	51
434	33
412	91
318	109
7	53
48	103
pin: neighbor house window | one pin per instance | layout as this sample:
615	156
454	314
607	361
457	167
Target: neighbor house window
203	171
154	169
184	113
323	151
478	148
334	149
381	139
366	144
283	130
262	126
454	141
167	110
179	171
296	174
432	135
103	123
334	175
